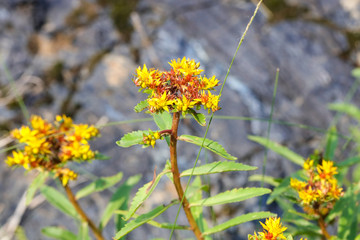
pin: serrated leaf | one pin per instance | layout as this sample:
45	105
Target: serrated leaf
346	108
141	106
143	193
234	195
118	199
133	138
199	117
208	144
163	120
331	143
217	167
35	185
58	200
98	185
58	233
267	179
142	219
238	220
154	223
281	150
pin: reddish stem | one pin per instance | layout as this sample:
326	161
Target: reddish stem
82	214
176	177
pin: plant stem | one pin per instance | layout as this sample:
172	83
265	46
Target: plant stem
82	214
176	177
322	225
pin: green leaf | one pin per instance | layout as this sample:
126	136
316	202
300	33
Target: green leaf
58	233
142	219
346	108
154	223
281	150
133	138
267	179
208	144
238	220
289	237
35	185
163	120
234	195
199	117
99	185
83	233
141	106
348	162
217	167
20	233
197	212
99	156
331	143
58	200
284	186
304	227
118	199
356	73
144	192
347	209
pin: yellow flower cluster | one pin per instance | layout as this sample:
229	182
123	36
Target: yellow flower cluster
150	139
178	90
321	191
49	146
272	230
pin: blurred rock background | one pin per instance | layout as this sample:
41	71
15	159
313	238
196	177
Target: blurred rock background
77	57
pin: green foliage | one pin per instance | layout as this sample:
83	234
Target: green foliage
142	219
144	192
131	139
217	167
58	233
281	150
119	199
266	179
208	144
347	108
59	201
141	106
238	220
199	117
83	233
234	195
163	121
99	184
331	144
35	185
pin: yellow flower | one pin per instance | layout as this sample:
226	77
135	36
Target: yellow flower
65	122
65	175
24	134
297	185
327	169
308	164
274	229
210	101
160	103
209	83
186	66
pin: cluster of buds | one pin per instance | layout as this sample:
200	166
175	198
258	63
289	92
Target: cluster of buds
178	90
48	147
319	194
150	139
